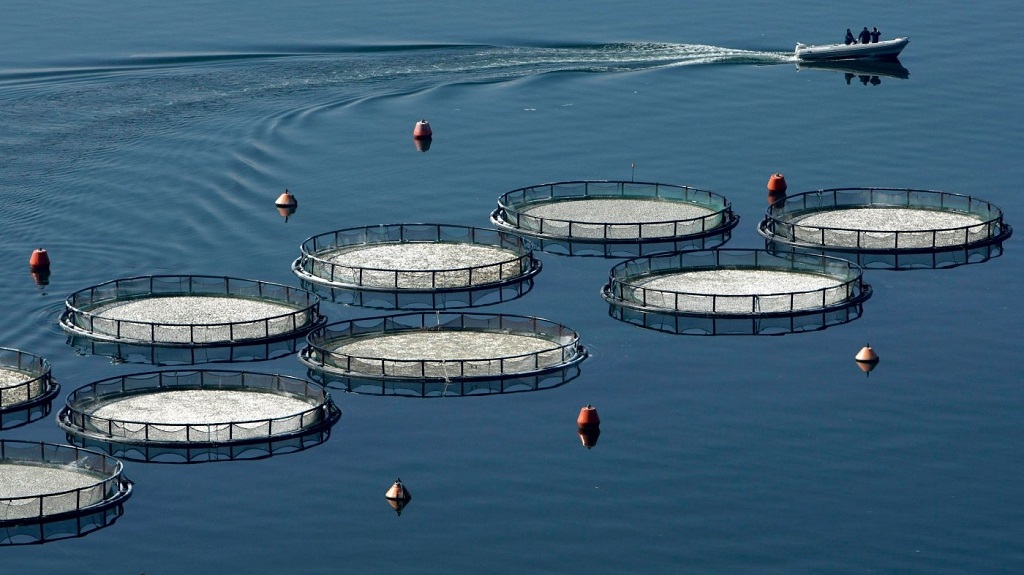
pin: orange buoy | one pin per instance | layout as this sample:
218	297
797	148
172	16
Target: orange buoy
588	418
286	200
777	190
422	130
777	184
589	436
867	359
39	261
867	355
398	492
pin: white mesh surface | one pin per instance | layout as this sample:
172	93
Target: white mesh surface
589	218
740	291
33	480
182	319
420	265
876	228
12	392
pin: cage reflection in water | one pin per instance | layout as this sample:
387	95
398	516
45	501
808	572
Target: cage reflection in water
414	299
50	491
736	292
613	216
884	220
159	355
618	250
190	311
27	387
899	260
442	347
194	411
476	387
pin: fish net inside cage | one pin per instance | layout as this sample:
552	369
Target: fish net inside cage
40	480
190	311
24	379
196	407
455	347
735	282
421	257
613	211
882	219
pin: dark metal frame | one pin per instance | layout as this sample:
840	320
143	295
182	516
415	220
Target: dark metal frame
312	267
76	421
621	289
317	356
778	227
509	217
77	319
114	489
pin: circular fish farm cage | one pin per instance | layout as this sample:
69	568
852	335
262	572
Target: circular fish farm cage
26	387
197	408
604	211
731	284
416	258
48	491
883	220
190	311
442	347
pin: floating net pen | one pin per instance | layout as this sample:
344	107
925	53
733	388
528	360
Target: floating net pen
735	283
48	491
442	347
190	311
415	258
197	408
25	381
883	220
603	211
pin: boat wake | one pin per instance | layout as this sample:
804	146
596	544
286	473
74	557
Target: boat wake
445	63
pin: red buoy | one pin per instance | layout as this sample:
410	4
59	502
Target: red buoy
777	183
286	200
588	418
776	188
422	130
39	261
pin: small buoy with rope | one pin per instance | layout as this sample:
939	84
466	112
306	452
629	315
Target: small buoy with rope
286	200
866	358
398	496
398	492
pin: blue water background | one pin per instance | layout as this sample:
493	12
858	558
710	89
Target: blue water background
152	138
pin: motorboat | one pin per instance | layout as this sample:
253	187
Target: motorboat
881	50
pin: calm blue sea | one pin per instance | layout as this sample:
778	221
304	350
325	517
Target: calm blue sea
153	138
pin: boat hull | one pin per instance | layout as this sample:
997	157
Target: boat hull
885	50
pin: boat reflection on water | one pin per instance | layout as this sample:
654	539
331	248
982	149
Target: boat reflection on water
866	71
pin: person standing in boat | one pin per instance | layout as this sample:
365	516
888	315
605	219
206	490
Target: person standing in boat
849	37
875	35
865	36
